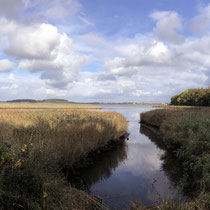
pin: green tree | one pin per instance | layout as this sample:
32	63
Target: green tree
192	97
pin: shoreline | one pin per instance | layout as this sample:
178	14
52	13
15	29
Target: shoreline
38	147
184	134
169	145
88	159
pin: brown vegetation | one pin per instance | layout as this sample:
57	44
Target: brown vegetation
199	203
188	132
175	106
45	106
35	147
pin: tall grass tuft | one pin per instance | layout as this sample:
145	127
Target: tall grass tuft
200	203
35	146
189	130
45	106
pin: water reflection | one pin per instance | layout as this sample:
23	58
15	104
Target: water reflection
101	168
133	171
170	165
155	138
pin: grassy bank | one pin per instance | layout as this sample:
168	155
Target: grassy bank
175	106
45	106
200	203
187	131
36	147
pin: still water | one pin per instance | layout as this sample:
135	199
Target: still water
135	170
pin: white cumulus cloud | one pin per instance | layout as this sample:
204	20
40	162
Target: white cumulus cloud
6	26
36	41
146	67
63	64
41	48
6	65
168	23
155	53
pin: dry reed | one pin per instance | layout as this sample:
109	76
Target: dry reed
36	145
45	106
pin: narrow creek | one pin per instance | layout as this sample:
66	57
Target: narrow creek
136	170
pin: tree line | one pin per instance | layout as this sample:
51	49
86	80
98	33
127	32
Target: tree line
192	97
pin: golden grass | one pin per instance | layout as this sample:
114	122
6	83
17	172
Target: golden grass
155	117
176	107
72	134
35	145
45	106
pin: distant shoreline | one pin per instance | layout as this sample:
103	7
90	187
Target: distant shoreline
63	101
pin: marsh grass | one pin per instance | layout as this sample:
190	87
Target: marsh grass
200	203
189	130
45	106
180	126
35	147
176	106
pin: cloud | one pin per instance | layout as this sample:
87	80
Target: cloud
96	45
201	23
59	9
32	42
155	53
190	55
6	65
168	23
147	85
60	67
6	26
159	69
12	9
84	20
38	46
39	11
41	48
194	53
146	67
13	86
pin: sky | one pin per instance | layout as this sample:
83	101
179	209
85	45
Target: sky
103	50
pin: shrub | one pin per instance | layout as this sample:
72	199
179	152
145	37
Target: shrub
192	97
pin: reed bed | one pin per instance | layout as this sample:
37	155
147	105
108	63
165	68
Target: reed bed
45	106
37	146
72	134
178	125
176	106
200	203
187	133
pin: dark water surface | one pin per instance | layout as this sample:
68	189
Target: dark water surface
136	170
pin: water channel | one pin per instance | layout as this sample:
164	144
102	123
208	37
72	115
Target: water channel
135	170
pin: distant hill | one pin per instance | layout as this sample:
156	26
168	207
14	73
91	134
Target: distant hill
55	100
60	101
22	101
51	100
